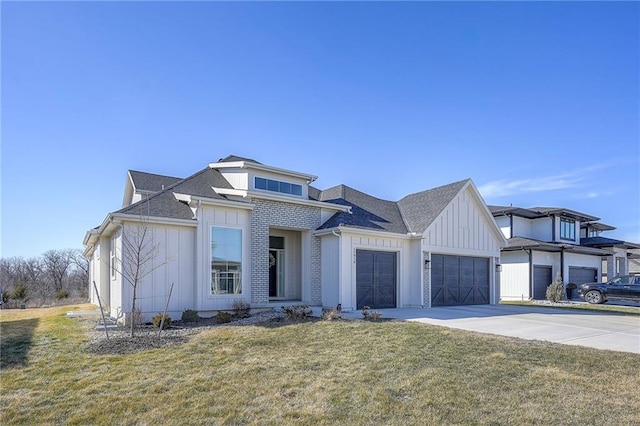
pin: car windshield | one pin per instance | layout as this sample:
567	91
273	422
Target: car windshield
621	280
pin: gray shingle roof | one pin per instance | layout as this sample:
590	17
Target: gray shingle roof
607	242
367	211
151	182
413	213
421	209
537	212
164	203
518	243
233	158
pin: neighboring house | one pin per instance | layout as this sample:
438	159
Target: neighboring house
544	242
241	230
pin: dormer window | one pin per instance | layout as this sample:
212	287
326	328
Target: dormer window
567	229
278	186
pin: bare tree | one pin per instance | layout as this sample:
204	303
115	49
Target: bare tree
79	277
56	264
138	258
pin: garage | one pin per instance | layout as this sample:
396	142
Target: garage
542	277
459	280
580	275
375	279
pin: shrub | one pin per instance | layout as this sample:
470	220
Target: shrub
297	312
223	317
555	291
241	308
62	294
20	292
156	320
189	315
369	315
331	314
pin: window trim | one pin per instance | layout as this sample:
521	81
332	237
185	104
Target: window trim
210	292
277	186
567	225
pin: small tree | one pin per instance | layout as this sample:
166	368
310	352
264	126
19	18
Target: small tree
555	290
137	259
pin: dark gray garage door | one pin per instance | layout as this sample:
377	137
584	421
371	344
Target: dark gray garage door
375	279
459	280
542	277
579	275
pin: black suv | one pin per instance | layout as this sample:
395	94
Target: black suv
626	287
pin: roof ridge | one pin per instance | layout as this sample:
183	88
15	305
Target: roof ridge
154	174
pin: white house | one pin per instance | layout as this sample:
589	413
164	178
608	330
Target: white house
543	242
242	230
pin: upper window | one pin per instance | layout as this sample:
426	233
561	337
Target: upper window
226	260
567	229
278	186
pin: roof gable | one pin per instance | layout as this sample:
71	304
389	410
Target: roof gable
422	208
164	203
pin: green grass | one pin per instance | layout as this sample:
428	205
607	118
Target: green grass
333	372
618	309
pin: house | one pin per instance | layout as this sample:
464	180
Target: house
242	230
543	242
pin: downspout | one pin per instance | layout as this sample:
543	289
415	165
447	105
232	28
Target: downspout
334	232
510	226
562	263
530	253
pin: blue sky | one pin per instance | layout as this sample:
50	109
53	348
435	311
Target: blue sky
537	102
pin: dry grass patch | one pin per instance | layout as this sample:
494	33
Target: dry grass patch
349	372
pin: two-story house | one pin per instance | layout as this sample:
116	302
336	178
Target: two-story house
242	230
543	242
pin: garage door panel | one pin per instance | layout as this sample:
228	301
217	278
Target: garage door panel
459	280
375	279
364	296
580	275
542	278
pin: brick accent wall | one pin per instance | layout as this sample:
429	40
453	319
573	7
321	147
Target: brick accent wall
276	214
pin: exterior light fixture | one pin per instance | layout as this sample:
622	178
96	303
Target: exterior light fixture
427	263
498	267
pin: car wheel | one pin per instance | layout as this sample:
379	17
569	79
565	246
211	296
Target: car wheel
594	297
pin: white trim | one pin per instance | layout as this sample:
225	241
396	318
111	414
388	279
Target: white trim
212	201
226	191
385	234
153	220
300	201
255	166
243	291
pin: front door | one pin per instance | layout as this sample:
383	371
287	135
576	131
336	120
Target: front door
276	268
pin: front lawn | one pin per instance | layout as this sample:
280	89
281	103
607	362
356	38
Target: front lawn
321	372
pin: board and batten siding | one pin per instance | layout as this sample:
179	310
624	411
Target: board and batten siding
350	243
330	270
173	261
230	217
463	229
514	278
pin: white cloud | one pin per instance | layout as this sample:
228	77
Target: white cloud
505	187
567	180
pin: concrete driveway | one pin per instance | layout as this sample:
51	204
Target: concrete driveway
570	327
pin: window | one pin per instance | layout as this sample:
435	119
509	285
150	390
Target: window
277	186
593	233
226	260
567	229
